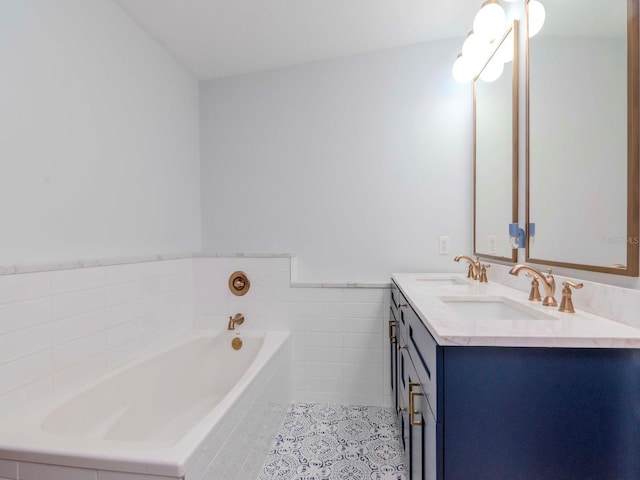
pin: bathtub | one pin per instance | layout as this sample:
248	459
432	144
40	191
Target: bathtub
196	409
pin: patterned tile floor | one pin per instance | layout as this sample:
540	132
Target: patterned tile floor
335	442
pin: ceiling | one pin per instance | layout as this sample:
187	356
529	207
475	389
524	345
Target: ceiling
219	38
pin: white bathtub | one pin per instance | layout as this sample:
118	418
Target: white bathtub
198	409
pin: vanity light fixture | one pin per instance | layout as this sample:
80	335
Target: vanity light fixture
535	16
488	26
489	21
462	70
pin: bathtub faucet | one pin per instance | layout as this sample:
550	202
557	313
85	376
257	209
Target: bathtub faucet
237	319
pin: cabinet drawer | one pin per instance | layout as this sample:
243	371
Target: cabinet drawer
427	360
399	305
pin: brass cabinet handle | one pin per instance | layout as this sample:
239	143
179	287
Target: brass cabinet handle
392	323
412	410
400	347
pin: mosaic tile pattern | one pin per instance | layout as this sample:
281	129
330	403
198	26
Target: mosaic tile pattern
335	442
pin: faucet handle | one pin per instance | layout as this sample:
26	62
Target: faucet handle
566	304
534	294
483	273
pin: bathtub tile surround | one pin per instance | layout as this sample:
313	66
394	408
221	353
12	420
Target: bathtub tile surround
335	442
337	331
61	324
62	327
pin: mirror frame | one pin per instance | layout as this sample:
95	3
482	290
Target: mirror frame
633	154
514	147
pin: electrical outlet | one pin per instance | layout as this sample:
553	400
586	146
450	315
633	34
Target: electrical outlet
444	245
491	239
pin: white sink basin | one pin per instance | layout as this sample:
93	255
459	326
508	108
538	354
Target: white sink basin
492	308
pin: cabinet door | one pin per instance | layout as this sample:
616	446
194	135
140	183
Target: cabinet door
425	435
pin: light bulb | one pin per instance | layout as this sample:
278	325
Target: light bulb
535	17
489	21
492	70
462	69
505	52
472	45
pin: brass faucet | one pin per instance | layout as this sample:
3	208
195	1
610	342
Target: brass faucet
237	319
548	282
474	266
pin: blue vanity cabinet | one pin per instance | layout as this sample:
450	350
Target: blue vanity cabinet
542	413
532	413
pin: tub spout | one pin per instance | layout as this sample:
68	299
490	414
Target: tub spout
237	319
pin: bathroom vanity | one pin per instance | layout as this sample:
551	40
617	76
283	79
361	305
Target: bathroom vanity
490	386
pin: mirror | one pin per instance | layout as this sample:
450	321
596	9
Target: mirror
495	129
582	136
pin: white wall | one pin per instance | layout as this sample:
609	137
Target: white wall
356	165
99	150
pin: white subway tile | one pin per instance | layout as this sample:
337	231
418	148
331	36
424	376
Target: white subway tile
25	286
266	279
323	324
38	471
324	309
123	313
16	316
360	386
79	373
364	325
24	343
25	370
280	323
363	356
363	371
76	303
284	294
67	281
8	469
365	310
324	354
322	370
247	307
363	340
287	309
216	322
79	326
366	295
149	286
121	293
211	307
78	350
115	274
125	332
323	294
327	385
323	339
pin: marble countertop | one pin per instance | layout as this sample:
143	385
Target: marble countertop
552	329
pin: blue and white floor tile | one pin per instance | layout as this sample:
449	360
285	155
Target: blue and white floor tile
335	442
